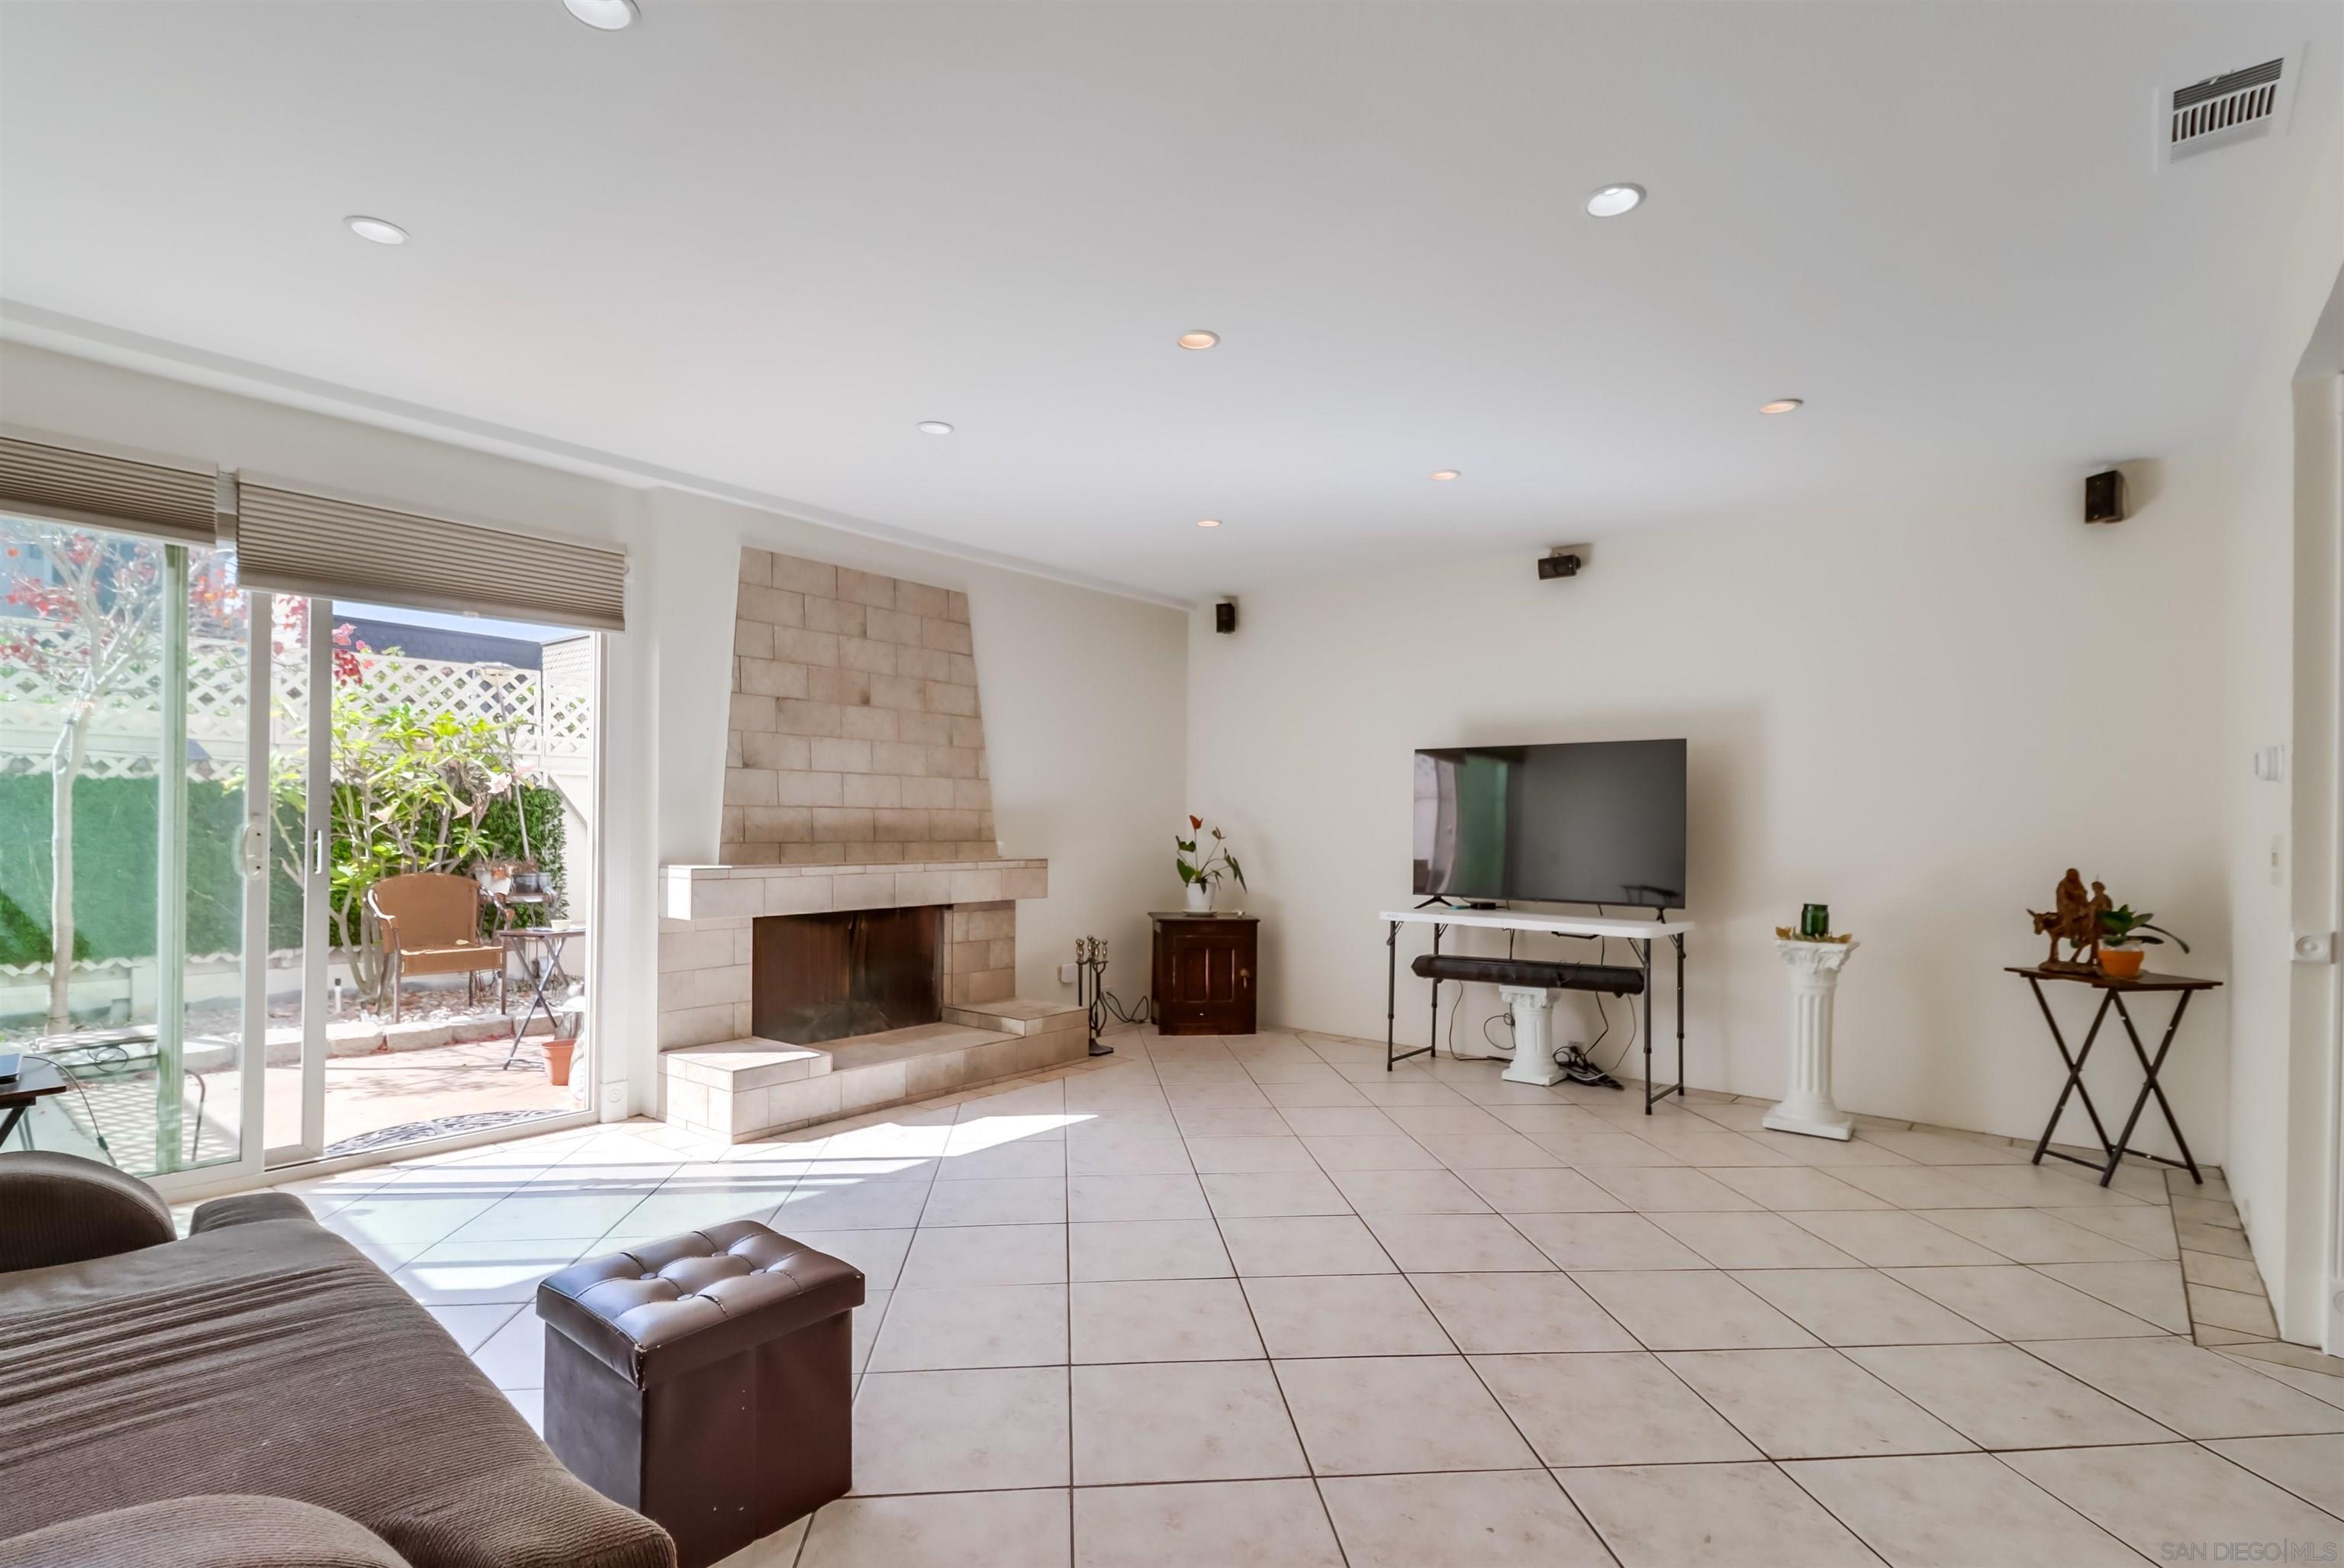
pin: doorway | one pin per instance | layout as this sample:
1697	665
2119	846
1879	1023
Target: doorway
433	819
216	807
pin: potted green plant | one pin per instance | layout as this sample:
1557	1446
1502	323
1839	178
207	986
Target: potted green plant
1200	875
2125	939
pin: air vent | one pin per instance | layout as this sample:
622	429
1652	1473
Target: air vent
2235	107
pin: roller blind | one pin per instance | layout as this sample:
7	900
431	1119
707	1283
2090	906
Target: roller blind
294	541
88	488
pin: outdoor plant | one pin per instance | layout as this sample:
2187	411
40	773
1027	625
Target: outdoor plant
2120	927
413	791
1212	864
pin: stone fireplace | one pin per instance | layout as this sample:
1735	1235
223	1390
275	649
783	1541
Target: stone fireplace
858	944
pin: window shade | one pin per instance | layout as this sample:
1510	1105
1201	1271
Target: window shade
292	541
42	478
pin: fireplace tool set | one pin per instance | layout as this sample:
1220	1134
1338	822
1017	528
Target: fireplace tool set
1097	1002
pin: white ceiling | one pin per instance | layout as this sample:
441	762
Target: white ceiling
756	242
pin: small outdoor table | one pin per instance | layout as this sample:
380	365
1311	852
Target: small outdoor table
33	1080
541	973
2112	996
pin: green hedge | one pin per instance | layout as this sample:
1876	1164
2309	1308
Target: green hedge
113	870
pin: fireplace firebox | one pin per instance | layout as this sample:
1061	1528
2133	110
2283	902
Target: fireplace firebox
828	977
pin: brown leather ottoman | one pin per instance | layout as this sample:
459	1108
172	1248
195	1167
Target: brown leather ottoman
705	1380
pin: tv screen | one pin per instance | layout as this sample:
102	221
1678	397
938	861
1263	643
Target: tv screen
1601	822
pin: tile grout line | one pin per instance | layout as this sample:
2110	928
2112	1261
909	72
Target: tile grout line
1285	1403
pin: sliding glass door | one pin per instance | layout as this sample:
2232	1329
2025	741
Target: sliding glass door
126	802
431	802
281	879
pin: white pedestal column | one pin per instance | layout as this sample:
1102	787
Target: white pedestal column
1534	1060
1807	1107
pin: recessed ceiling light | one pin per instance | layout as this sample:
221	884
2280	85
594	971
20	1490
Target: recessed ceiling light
609	15
1614	199
1198	340
1209	523
1446	473
933	428
382	231
1782	406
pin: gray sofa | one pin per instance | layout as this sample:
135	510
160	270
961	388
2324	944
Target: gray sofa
258	1394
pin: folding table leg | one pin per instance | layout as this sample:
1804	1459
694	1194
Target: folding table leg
2074	1083
2150	1086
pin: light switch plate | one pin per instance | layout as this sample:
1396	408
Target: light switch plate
1066	973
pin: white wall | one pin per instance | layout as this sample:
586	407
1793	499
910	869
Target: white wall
2281	688
2282	585
1083	691
1921	710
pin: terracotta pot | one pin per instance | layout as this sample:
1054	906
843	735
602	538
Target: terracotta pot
2122	963
557	1059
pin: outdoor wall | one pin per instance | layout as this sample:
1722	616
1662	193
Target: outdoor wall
1084	691
1920	714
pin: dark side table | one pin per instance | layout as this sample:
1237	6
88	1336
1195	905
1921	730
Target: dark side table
2112	997
1203	973
35	1078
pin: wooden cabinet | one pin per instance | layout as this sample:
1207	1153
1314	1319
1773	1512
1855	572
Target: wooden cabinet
1204	973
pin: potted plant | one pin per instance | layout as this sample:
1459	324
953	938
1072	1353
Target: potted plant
561	1047
2125	939
1200	875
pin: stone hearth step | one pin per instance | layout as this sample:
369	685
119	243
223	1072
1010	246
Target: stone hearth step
1016	1015
744	1089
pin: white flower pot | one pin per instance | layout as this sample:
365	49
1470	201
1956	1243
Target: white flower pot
1200	897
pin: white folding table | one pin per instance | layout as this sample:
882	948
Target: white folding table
1638	934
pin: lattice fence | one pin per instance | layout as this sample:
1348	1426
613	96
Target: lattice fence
552	711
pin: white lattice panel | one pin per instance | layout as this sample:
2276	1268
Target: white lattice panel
126	735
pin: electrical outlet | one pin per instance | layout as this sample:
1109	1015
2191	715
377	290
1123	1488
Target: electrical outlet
1066	973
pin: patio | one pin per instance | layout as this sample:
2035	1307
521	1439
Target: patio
378	1099
400	1096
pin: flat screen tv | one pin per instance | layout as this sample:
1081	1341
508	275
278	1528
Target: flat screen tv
1601	822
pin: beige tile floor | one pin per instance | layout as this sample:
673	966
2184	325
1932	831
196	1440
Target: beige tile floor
1256	1301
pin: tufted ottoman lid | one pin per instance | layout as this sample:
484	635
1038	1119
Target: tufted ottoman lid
669	1307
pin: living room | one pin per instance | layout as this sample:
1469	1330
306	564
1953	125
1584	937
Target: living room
889	566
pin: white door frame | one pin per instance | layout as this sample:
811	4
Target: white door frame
252	1080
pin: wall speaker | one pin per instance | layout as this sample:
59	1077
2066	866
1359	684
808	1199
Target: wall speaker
1225	616
2104	497
1564	560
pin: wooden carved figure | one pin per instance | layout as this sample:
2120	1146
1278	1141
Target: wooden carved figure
2073	917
